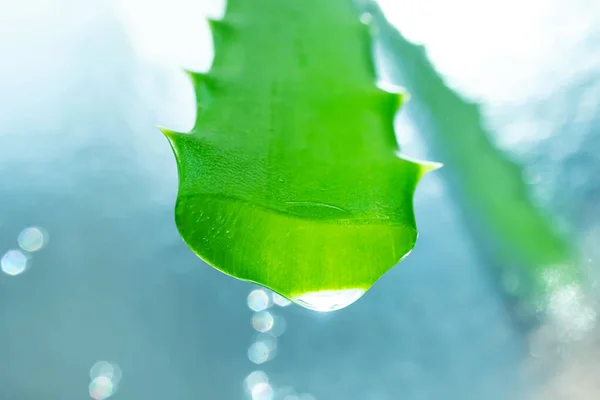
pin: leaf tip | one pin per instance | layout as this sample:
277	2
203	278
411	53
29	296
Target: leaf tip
425	166
218	26
400	95
194	76
169	134
199	79
430	166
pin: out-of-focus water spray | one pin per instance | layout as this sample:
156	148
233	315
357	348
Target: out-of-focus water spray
269	325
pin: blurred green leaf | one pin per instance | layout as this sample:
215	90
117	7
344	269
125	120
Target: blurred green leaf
291	177
533	257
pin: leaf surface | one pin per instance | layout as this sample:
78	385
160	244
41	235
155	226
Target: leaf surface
292	177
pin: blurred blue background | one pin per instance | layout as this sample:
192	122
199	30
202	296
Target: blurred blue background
101	297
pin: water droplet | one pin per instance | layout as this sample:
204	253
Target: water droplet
258	300
262	391
32	239
280	300
14	262
263	321
329	300
101	388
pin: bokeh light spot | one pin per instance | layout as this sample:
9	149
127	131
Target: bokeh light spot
14	262
262	391
254	378
263	321
258	300
366	18
32	239
106	369
260	351
280	300
101	388
279	325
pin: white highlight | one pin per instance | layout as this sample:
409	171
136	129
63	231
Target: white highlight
329	300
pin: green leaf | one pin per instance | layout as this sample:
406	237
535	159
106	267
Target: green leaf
292	177
535	260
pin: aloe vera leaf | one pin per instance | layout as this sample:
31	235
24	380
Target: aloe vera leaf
292	177
488	184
